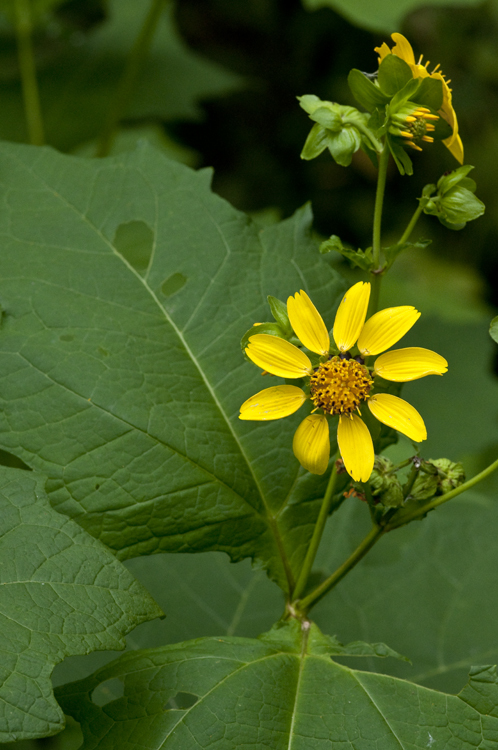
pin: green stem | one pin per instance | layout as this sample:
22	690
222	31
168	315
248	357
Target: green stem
27	67
129	78
309	601
317	535
409	229
444	498
376	241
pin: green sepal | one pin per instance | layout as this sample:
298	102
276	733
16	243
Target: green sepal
493	329
407	93
361	258
365	91
343	145
457	176
430	93
403	161
392	252
272	329
394	73
315	143
279	312
455	203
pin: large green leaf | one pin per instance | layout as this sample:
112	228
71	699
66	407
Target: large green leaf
77	82
61	593
381	15
123	383
281	691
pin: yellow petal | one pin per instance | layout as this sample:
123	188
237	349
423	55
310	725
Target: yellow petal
398	414
455	146
385	328
273	403
382	51
308	324
403	48
311	444
412	363
278	356
351	316
356	447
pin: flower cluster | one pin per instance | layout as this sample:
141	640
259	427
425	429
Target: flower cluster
341	382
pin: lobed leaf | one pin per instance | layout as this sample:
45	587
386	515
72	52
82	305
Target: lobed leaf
280	691
61	593
122	374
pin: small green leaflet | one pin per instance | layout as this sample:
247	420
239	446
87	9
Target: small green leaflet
493	329
61	593
281	691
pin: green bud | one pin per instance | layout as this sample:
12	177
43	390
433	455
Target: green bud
279	312
385	486
426	483
450	474
455	203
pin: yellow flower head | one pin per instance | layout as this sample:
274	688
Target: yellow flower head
340	383
403	49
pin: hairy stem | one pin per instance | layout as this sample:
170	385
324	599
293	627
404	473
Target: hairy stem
317	535
444	498
129	78
27	67
368	542
376	241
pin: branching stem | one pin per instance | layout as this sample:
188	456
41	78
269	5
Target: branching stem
129	78
27	68
411	225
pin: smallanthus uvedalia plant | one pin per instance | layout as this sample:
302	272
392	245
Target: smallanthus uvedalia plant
125	285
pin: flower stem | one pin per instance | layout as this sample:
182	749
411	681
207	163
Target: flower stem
317	535
27	67
368	542
444	498
411	225
376	246
129	78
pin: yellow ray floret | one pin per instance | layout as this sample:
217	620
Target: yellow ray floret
356	447
351	316
273	403
307	323
278	356
398	414
402	365
385	328
311	444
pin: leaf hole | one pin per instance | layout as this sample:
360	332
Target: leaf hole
181	702
135	241
108	691
97	486
7	459
66	337
104	352
173	284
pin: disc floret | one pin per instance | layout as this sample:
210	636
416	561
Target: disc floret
339	385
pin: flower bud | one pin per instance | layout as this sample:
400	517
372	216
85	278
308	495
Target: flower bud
455	203
385	486
450	474
426	483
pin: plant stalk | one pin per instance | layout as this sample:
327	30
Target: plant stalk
27	68
444	498
317	536
368	542
129	78
377	224
411	225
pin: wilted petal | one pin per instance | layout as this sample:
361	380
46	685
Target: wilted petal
351	316
273	403
278	356
356	447
398	414
311	444
412	363
308	324
385	328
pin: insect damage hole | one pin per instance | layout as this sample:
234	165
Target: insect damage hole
135	241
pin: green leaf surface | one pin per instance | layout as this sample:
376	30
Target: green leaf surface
381	15
493	329
280	691
77	84
365	91
61	593
394	73
123	384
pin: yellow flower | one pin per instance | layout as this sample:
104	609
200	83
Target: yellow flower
340	383
403	49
